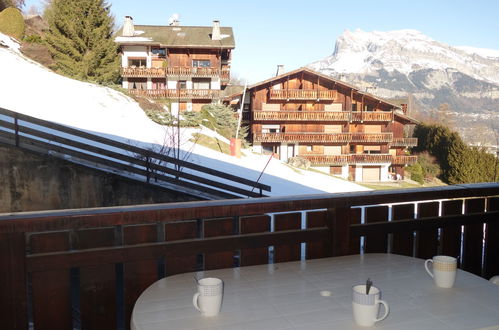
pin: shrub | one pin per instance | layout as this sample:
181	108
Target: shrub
429	165
417	173
33	39
12	23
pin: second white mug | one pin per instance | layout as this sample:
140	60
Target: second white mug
444	270
208	299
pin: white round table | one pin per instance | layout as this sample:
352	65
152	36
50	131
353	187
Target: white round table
316	294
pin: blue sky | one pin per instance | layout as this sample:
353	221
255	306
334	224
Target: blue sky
296	33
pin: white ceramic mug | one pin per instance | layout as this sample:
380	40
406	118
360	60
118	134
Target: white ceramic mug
444	270
366	306
208	299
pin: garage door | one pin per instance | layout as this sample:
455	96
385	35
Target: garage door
371	173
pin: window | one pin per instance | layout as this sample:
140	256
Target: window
201	63
182	84
137	62
354	107
159	52
270	128
201	83
372	149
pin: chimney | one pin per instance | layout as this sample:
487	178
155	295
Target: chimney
280	70
215	33
128	29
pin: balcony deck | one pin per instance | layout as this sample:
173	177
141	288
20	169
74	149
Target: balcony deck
180	94
302	94
180	72
404	142
321	116
324	137
372	116
129	72
105	257
359	159
301	116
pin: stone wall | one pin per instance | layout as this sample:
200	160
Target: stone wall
33	182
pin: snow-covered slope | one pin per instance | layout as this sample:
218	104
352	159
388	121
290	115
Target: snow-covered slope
395	63
29	88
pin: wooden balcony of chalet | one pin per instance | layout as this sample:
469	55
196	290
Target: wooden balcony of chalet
180	72
324	137
130	72
85	268
301	116
376	116
359	159
404	142
177	94
185	72
302	94
404	160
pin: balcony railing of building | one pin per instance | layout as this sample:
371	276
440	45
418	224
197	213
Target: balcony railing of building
302	94
324	137
143	72
182	72
282	115
182	94
404	160
359	159
371	116
85	268
404	142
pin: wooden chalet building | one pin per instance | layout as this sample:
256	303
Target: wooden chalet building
338	128
189	65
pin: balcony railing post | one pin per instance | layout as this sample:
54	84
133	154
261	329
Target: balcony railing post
339	224
13	297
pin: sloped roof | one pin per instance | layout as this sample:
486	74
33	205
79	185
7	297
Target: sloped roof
179	36
337	81
398	114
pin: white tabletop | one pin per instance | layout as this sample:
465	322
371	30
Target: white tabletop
316	294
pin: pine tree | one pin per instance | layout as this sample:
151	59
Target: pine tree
459	163
11	3
80	39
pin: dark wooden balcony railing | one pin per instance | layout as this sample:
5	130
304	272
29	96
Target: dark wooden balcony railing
182	94
372	116
302	94
87	267
143	72
298	116
404	142
324	137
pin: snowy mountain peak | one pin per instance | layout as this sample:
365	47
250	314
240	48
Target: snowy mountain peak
395	64
405	51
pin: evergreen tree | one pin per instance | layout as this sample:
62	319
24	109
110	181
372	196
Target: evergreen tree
80	40
459	163
11	3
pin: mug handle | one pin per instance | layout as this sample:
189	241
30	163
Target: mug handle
387	310
426	266
195	300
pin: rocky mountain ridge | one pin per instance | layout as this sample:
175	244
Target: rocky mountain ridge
396	64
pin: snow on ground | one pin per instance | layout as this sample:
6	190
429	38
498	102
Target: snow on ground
31	89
